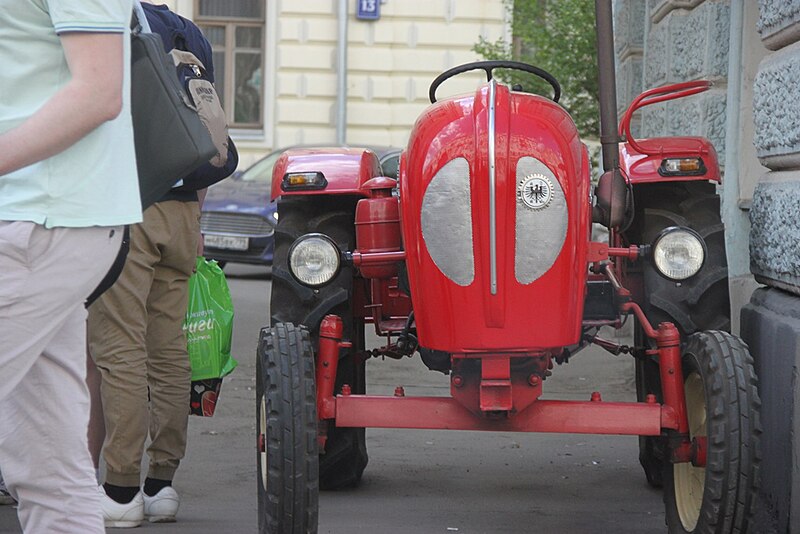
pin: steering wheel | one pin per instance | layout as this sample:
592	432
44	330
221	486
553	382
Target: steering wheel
489	66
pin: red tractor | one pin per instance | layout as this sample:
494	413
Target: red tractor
479	260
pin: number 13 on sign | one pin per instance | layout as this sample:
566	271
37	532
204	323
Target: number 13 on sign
368	9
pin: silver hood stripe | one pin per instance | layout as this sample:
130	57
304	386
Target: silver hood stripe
492	191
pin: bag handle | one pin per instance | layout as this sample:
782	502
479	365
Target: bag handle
140	18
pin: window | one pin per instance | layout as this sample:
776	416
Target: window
235	29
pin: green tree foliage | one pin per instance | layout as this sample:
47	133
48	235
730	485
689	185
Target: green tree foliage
559	37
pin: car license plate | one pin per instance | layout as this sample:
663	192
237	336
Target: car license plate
226	242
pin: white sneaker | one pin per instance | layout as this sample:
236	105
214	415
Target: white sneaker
163	506
116	515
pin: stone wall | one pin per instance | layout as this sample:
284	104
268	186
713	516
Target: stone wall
771	321
774	249
688	40
629	26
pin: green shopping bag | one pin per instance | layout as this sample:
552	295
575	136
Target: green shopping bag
209	322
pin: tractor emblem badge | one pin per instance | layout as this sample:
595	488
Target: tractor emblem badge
535	191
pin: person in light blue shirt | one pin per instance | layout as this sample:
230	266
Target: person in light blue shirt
68	184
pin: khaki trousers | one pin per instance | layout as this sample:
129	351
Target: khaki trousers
45	276
137	341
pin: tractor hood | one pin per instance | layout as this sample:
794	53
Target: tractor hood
495	219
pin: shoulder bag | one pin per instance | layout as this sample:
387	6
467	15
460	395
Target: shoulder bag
171	140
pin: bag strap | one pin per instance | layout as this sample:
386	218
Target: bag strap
140	18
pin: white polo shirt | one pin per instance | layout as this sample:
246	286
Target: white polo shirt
94	182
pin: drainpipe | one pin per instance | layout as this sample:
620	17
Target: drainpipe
736	223
736	220
341	84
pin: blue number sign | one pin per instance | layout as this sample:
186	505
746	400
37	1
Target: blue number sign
368	9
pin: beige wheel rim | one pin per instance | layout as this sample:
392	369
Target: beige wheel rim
262	416
690	480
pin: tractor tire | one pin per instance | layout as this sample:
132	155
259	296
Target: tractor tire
700	303
344	459
286	427
722	404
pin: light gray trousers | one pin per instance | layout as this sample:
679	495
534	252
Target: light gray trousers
45	276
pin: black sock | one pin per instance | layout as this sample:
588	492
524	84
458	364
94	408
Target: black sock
154	485
121	494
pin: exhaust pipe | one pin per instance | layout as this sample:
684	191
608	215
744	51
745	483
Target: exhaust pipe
612	190
607	80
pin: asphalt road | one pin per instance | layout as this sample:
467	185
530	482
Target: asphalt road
422	482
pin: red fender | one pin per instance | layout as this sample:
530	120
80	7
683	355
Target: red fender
345	170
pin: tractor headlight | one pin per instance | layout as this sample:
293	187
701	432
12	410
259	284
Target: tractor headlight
314	260
678	253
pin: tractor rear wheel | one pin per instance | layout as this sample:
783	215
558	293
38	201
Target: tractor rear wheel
286	421
723	406
342	462
700	303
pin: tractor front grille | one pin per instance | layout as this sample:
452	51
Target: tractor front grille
239	224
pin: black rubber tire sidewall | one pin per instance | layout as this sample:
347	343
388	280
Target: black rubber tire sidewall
733	427
285	374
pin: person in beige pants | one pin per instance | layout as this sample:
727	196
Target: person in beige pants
137	342
135	328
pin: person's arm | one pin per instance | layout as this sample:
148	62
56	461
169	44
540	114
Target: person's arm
91	97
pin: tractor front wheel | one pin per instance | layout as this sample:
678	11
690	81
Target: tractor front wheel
722	405
342	462
286	421
700	303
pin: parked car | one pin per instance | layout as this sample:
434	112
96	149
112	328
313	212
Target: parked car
238	218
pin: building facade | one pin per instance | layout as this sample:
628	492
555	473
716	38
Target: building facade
277	68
